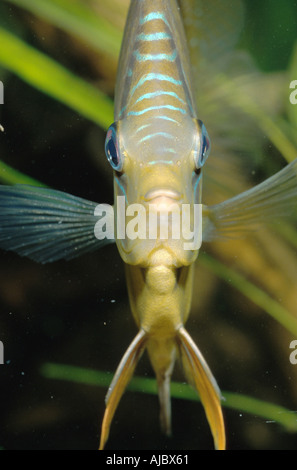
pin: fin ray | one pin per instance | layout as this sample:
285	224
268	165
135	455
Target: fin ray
121	379
212	28
271	200
204	382
163	381
46	225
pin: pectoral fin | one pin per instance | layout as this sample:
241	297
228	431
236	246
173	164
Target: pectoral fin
267	202
47	225
121	379
199	374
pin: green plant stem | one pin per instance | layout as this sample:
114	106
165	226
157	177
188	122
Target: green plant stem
252	292
9	175
274	129
76	18
242	403
51	78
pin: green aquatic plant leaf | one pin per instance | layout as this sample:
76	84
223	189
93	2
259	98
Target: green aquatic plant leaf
252	292
48	76
9	175
233	91
78	19
242	403
292	101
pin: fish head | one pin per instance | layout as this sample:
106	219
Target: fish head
158	184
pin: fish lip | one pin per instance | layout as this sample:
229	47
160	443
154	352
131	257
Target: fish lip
162	193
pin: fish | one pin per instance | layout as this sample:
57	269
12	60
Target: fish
158	148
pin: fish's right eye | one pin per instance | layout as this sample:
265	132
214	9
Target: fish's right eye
112	150
202	149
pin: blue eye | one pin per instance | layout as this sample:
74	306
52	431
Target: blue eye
203	146
112	149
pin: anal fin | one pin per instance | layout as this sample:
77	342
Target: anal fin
164	400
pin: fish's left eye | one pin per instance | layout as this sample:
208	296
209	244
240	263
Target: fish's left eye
203	146
112	150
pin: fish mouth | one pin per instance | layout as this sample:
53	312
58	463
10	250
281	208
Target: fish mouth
162	194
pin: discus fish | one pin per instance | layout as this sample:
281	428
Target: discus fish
157	147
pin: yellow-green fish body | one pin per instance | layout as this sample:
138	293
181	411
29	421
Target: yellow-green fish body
157	148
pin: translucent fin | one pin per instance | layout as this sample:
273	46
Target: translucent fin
202	379
46	225
121	379
267	202
212	28
162	354
163	381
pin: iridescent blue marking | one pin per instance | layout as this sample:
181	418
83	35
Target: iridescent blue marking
150	136
122	189
153	37
165	162
155	57
155	15
166	118
155	94
196	185
155	76
143	127
154	108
